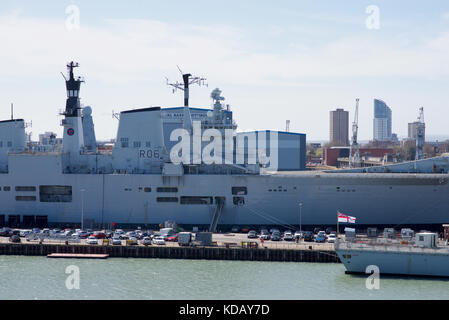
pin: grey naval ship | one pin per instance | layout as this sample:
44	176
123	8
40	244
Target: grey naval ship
419	256
146	178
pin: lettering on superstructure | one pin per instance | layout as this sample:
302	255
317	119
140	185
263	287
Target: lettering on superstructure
149	153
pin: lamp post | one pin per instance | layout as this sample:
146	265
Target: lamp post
82	208
300	224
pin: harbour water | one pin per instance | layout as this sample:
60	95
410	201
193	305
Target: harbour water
24	277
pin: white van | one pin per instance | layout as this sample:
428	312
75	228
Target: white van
166	232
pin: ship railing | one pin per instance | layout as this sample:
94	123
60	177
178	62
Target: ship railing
387	245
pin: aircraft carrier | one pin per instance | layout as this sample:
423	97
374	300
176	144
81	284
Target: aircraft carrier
148	178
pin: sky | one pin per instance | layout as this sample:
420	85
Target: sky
273	60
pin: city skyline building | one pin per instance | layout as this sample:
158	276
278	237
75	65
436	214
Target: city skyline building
382	121
339	127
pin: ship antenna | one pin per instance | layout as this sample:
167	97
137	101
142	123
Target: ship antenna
354	159
115	115
179	69
188	79
73	89
12	111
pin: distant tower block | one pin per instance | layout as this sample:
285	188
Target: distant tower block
287	126
339	127
382	121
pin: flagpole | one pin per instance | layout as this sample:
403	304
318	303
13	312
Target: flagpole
337	225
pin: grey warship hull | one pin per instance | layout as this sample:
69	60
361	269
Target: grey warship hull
400	261
269	199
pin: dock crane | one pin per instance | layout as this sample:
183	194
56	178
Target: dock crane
420	135
354	159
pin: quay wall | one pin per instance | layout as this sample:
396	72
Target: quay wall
166	252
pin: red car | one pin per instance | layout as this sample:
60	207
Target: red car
99	235
173	238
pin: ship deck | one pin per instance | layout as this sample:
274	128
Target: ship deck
337	174
389	247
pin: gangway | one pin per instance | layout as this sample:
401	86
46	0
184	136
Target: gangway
220	201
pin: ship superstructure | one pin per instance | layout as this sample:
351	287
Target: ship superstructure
189	165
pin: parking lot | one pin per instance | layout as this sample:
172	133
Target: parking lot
223	238
218	239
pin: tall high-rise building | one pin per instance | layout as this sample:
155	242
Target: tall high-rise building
382	121
339	127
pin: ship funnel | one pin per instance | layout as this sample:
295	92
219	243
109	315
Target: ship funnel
140	141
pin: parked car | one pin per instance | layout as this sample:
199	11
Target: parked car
131	241
124	236
264	234
159	240
288	236
109	233
83	235
320	238
322	233
14	238
299	235
252	234
131	234
141	235
24	233
116	241
75	235
150	232
5	232
235	229
146	241
99	235
276	236
166	232
92	240
67	233
172	238
331	238
308	236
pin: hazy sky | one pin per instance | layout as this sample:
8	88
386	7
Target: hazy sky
273	60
